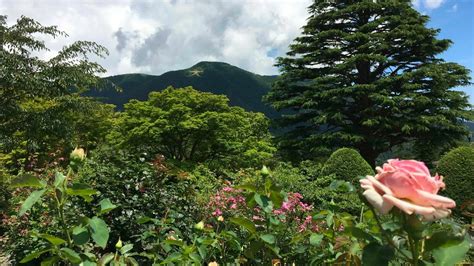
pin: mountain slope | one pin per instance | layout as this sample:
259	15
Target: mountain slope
243	88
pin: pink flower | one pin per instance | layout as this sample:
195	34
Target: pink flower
227	189
217	212
407	185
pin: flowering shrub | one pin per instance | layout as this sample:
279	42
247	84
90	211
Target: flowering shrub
229	202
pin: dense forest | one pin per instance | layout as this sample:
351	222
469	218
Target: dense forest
358	153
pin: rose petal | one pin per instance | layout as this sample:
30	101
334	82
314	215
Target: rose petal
379	185
436	201
408	207
376	200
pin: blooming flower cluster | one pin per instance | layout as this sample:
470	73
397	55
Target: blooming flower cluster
229	202
225	200
293	205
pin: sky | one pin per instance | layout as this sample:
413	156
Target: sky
156	36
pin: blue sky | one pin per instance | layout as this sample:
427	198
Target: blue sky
455	18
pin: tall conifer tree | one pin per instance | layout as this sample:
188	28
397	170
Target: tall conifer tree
365	74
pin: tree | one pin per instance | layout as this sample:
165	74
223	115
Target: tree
37	96
188	125
365	74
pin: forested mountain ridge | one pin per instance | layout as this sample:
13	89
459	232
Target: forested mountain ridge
243	88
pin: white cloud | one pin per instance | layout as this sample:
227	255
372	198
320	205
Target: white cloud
427	4
156	36
433	4
416	3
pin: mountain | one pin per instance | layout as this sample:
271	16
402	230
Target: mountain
243	88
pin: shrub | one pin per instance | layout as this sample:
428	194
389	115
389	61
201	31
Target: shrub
144	186
346	164
457	168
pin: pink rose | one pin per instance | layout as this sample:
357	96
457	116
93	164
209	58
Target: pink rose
407	185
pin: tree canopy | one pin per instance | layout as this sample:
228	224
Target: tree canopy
40	103
365	74
187	125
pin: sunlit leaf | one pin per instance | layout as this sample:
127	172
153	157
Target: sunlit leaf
27	180
34	197
99	231
245	223
71	255
106	206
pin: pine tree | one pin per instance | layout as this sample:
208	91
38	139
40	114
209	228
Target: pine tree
365	74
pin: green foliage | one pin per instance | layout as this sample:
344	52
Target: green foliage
144	186
69	241
188	125
457	168
334	199
39	103
365	74
244	239
347	164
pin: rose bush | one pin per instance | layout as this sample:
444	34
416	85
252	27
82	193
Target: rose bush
407	185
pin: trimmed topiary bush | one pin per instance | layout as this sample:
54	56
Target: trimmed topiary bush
346	164
457	168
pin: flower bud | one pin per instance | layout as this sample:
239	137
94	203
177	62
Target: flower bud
119	243
265	171
199	226
220	218
78	154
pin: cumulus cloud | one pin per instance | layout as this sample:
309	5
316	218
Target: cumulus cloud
428	4
157	36
433	4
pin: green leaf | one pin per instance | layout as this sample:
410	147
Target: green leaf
277	198
34	197
245	223
52	239
106	259
144	219
315	239
261	200
202	251
87	263
359	233
268	238
50	261
34	255
106	206
99	231
82	190
126	248
71	255
253	248
195	257
377	255
59	179
451	252
329	219
80	235
27	180
132	261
